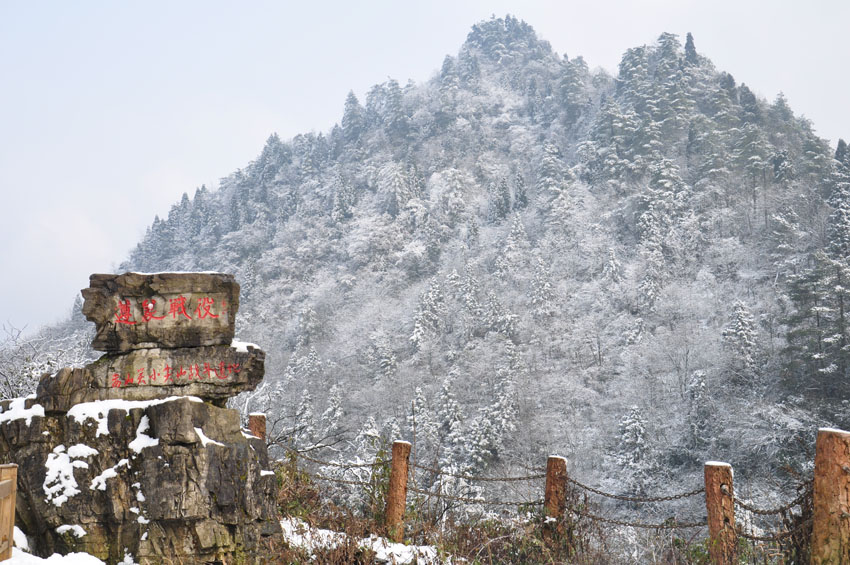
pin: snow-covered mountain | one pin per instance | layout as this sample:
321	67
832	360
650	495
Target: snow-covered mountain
525	256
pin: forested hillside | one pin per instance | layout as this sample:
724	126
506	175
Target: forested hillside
524	256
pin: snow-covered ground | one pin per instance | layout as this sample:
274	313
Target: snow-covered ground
20	557
297	532
300	534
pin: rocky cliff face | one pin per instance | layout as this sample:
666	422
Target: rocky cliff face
134	454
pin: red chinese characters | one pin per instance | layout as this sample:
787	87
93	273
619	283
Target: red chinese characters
124	313
178	307
203	309
148	309
176	374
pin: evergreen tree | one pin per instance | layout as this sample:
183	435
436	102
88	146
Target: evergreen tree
740	336
520	192
305	424
699	411
427	323
353	121
818	334
691	56
500	200
542	292
842	153
449	420
612	269
421	425
331	419
633	452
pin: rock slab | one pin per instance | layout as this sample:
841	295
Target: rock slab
162	310
214	373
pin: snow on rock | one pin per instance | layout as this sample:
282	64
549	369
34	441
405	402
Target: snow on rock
18	411
74	529
205	440
59	482
143	440
242	346
99	409
81	451
99	482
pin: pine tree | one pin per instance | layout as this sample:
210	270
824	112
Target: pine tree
520	192
691	56
421	425
305	424
394	185
740	336
500	200
612	270
842	153
633	453
553	183
699	412
494	422
427	323
542	292
838	222
818	328
332	416
449	419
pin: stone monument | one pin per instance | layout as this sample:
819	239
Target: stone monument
135	454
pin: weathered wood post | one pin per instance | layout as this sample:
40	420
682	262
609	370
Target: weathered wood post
555	499
397	494
8	494
719	502
257	425
831	520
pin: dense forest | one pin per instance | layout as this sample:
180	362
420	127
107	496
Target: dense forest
524	256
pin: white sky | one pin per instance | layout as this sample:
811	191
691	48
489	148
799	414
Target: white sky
109	111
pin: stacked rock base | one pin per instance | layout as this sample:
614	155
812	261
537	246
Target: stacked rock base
175	478
134	455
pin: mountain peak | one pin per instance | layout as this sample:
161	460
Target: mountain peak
501	38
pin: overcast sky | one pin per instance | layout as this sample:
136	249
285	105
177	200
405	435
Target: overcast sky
109	111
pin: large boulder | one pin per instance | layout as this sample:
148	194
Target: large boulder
162	310
175	478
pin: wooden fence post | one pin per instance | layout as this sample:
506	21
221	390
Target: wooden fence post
257	425
555	499
720	504
8	494
397	495
831	520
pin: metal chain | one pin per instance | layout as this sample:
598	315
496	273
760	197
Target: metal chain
780	509
467	500
474	478
340	465
668	525
637	498
778	536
